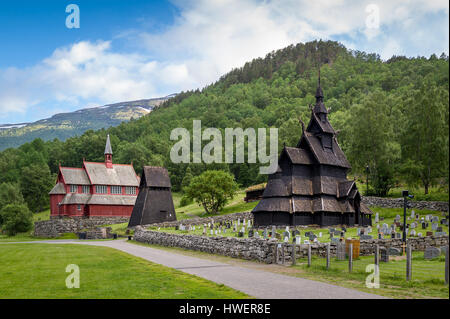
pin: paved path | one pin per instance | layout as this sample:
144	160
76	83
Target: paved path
257	283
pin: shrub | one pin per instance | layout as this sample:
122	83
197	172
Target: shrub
185	201
16	218
212	189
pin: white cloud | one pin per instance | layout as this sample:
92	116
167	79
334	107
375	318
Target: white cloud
208	39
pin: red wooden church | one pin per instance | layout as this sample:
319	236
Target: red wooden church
95	190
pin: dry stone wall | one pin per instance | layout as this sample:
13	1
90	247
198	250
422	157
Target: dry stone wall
56	227
267	251
398	203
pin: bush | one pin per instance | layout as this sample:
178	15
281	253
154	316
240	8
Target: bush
185	201
212	189
16	218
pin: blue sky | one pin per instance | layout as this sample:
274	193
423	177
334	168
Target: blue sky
126	50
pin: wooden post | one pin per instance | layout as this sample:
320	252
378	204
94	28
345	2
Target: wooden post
377	258
309	255
408	263
282	254
328	256
350	257
293	254
446	265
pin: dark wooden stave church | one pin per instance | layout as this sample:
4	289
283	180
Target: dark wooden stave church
310	185
154	203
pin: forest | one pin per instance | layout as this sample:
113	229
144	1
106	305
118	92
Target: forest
392	117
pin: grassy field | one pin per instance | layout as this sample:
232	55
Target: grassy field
427	275
38	271
235	205
387	213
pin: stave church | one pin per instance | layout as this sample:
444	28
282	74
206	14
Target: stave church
310	185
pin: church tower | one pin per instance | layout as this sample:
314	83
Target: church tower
108	153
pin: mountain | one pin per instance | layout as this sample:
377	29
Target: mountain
65	125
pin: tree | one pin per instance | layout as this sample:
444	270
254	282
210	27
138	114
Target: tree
36	181
16	218
371	141
10	194
187	178
212	189
425	137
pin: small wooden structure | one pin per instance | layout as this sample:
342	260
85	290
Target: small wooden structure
154	203
310	185
254	192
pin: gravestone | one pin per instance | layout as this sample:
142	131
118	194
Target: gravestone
413	232
298	240
256	234
393	235
286	239
394	251
413	214
429	233
358	231
369	230
340	251
380	236
419	234
397	218
431	252
295	232
274	231
398	235
312	237
320	234
424	225
434	226
306	242
377	218
435	219
286	234
365	237
384	255
413	225
241	234
331	230
250	233
265	233
439	229
427	218
443	233
335	240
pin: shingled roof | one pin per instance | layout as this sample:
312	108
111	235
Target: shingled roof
58	189
119	174
75	176
154	176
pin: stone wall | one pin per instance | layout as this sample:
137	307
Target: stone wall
55	227
398	203
205	220
266	251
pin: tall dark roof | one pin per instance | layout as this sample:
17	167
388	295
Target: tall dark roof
108	149
74	176
154	176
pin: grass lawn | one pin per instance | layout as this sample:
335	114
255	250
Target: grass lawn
427	275
387	213
235	205
38	271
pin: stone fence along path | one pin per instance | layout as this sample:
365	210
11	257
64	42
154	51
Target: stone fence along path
398	203
266	250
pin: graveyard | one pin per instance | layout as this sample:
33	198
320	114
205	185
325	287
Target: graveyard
386	218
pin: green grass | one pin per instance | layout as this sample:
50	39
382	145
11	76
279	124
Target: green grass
235	205
427	275
44	215
38	271
434	193
387	213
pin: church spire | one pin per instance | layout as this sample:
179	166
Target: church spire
319	92
108	153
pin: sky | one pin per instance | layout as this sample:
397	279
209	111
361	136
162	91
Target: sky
129	50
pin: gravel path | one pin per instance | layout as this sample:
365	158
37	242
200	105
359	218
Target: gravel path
256	283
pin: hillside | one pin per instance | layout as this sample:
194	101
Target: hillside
65	125
383	110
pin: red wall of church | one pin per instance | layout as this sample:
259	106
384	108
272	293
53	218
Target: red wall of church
112	210
54	200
